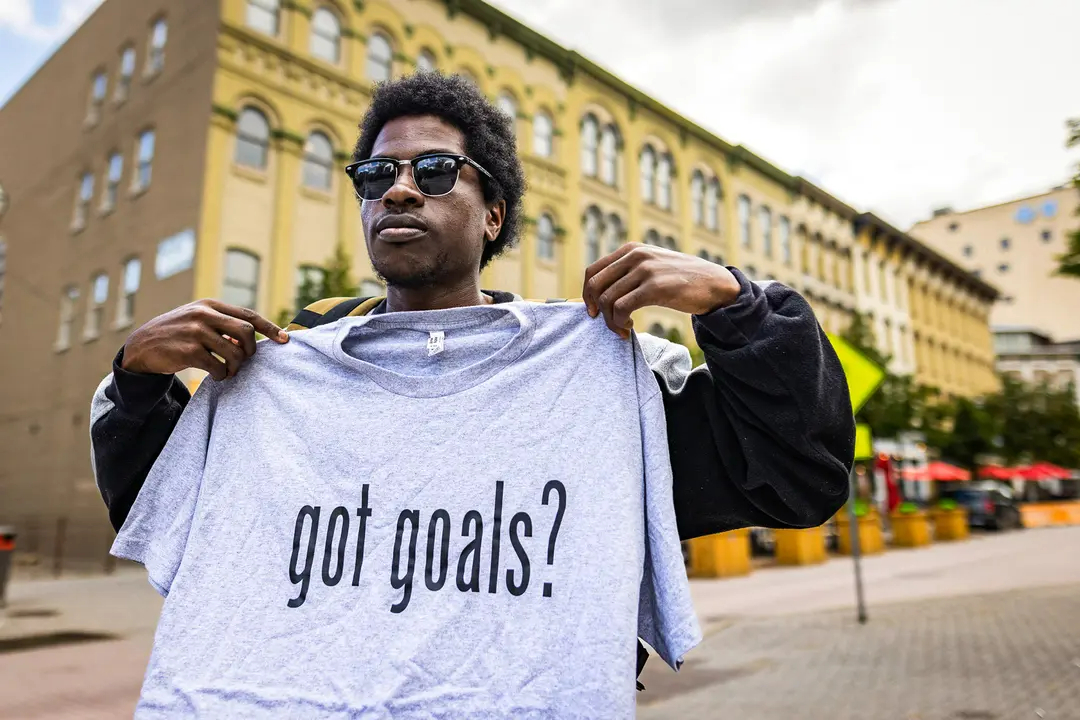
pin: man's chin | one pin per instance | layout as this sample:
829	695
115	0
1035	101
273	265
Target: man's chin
413	278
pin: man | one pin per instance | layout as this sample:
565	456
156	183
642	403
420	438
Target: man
761	435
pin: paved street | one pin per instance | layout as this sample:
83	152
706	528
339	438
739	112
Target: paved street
983	630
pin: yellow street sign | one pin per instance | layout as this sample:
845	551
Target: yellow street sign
864	442
864	376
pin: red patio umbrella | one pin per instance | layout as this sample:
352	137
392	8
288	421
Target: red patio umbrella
940	471
1050	471
997	472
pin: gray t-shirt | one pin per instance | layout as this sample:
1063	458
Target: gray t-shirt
455	513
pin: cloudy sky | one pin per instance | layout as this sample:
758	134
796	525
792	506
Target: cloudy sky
897	106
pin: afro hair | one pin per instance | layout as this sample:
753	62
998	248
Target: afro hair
489	137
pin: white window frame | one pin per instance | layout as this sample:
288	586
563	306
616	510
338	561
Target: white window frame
379	69
125	74
144	165
130	280
110	193
316	167
69	300
331	38
155	53
590	146
251	140
545	238
95	305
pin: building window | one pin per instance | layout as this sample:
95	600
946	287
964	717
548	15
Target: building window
241	286
765	220
712	205
99	85
508	106
953	227
609	155
1003	268
125	311
968	251
318	161
653	238
252	139
425	61
1050	208
112	182
175	254
670	243
1047	236
380	56
785	239
82	201
744	220
1005	243
647	160
468	76
371	288
155	59
663	181
750	272
543	134
127	70
263	15
593	223
68	300
325	42
613	233
590	144
697	197
95	309
545	237
145	154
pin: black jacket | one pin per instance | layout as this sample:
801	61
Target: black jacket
761	435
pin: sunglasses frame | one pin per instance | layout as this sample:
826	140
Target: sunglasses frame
350	170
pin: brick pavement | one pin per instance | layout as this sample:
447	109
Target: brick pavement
1004	656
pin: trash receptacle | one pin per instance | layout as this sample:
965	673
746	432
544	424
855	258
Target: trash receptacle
7	549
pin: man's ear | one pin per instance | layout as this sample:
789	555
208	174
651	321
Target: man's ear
493	223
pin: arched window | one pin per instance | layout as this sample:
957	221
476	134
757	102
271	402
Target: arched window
155	56
593	223
609	155
590	145
469	76
765	220
785	239
671	243
697	197
241	284
613	233
663	181
712	205
744	221
380	56
325	42
545	237
543	134
648	173
425	61
653	238
508	106
704	254
318	161
264	16
252	139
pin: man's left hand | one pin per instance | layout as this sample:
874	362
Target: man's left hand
637	276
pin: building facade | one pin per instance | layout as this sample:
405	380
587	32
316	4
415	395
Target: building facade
1014	245
173	150
1031	356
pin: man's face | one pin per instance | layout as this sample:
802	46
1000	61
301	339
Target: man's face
452	229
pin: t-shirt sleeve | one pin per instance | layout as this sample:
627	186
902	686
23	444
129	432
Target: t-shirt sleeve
156	530
666	617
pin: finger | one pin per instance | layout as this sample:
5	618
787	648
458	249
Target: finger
233	354
203	360
627	304
241	331
596	268
257	321
599	283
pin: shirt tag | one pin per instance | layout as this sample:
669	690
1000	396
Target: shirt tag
436	342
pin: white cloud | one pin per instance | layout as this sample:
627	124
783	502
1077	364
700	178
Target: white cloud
17	16
893	105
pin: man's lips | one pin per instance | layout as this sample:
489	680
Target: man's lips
400	228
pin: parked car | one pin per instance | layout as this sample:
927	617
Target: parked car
989	506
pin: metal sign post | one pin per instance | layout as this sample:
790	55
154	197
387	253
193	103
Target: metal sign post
856	551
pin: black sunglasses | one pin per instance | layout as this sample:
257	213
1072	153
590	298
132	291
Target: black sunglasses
434	175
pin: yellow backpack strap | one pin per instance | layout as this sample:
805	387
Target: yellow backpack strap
328	310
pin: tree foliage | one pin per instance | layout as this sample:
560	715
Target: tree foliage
336	281
1069	261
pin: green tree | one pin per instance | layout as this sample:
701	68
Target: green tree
1069	261
336	281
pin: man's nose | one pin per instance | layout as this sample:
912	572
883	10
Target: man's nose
404	190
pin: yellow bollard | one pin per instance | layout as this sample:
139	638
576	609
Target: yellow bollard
950	524
800	547
725	554
871	539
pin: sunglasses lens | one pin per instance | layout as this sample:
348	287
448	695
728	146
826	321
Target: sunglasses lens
436	175
373	179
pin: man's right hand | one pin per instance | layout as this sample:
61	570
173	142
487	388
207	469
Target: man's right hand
184	338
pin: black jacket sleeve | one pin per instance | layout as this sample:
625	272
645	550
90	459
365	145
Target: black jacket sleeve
763	433
132	423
